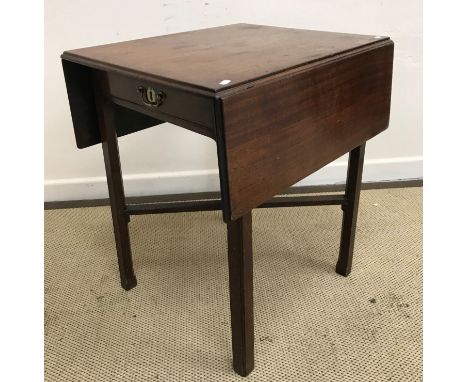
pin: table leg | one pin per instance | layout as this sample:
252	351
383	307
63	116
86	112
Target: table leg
241	293
350	210
115	185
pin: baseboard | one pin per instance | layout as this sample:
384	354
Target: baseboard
190	182
135	185
216	194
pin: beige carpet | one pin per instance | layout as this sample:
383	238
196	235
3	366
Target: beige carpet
311	324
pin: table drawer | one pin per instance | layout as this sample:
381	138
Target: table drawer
164	102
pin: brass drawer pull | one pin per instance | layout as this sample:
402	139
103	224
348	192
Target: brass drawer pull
150	97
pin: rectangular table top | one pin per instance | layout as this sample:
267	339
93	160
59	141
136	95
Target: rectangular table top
219	58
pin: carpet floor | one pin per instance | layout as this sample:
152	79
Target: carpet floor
310	323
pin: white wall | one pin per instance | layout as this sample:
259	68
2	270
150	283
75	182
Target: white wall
169	159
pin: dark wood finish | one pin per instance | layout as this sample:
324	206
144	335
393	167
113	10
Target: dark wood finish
214	205
294	100
350	210
222	159
340	86
179	105
201	59
297	124
173	207
110	150
79	82
241	293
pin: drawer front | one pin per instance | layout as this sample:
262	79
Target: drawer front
164	102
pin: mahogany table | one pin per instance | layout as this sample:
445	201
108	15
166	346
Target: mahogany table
279	103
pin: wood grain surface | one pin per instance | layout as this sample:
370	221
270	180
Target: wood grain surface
80	90
179	105
279	132
296	100
239	53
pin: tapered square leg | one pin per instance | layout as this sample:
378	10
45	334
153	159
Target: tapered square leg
350	210
241	293
110	150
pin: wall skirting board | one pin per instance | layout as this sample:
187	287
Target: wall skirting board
180	182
